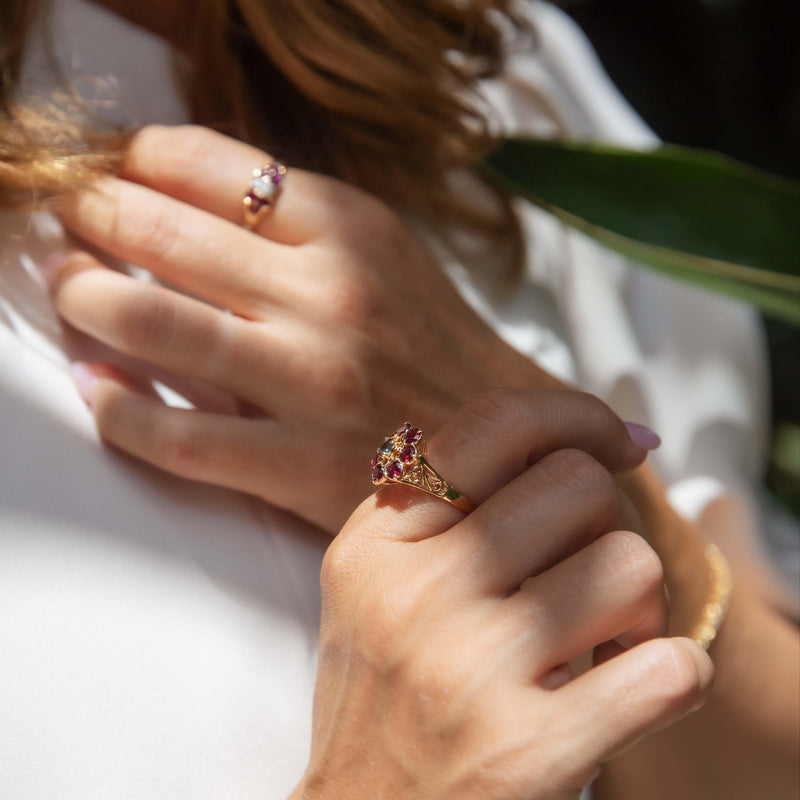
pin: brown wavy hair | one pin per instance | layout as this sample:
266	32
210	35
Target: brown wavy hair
380	93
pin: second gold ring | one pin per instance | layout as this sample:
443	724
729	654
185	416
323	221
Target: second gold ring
262	193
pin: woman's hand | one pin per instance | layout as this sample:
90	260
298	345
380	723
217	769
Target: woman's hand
439	677
342	323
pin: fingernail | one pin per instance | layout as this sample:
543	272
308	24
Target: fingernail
556	678
52	266
85	380
642	436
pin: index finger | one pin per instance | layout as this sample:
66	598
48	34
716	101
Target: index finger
210	171
496	436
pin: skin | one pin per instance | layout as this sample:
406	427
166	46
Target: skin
745	741
423	620
313	325
750	725
324	348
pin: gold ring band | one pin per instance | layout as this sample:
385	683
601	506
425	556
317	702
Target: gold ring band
401	459
262	193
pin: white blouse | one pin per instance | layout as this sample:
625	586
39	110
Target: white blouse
158	637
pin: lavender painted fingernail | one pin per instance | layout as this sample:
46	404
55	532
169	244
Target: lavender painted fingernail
85	380
642	436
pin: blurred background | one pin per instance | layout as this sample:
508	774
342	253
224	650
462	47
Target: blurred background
722	75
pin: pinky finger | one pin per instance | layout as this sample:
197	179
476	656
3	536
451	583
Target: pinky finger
631	696
219	449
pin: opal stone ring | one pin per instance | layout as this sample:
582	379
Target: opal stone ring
262	193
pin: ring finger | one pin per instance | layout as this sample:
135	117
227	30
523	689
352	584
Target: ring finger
211	171
169	330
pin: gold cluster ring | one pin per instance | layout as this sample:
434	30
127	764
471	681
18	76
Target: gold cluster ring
401	459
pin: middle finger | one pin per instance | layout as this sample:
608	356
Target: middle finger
556	507
172	331
184	246
611	590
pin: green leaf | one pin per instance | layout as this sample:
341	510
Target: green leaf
697	216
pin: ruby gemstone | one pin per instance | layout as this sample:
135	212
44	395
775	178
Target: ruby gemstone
408	453
394	470
413	435
255	203
377	474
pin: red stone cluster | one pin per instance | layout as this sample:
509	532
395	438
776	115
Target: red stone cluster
395	454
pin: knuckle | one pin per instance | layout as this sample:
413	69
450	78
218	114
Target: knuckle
146	322
151	227
192	146
331	574
170	150
339	565
593	406
178	448
499	408
582	474
595	415
635	559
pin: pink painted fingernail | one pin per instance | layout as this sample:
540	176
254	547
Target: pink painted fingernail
642	436
85	380
52	266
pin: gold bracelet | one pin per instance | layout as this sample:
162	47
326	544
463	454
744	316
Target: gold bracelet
716	606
